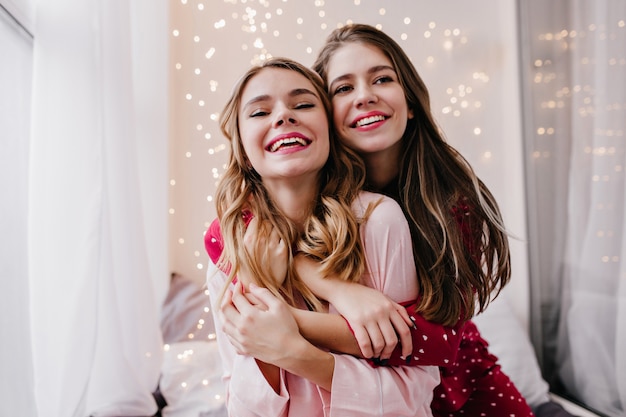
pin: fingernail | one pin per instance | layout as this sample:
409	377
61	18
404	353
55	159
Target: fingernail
384	362
408	359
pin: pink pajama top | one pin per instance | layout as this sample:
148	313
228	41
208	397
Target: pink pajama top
358	389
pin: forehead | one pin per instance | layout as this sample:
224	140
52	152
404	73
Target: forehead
353	57
273	82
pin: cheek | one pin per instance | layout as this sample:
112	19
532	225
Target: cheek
250	156
249	139
246	149
339	112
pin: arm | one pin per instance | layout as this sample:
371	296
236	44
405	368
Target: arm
404	390
333	333
374	322
248	392
262	327
398	391
433	344
328	331
269	334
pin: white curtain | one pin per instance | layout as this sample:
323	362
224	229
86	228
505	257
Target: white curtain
97	205
16	370
576	119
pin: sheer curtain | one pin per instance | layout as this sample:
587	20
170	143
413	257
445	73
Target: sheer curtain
16	370
97	205
576	120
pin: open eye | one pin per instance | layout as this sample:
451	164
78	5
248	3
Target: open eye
383	79
342	89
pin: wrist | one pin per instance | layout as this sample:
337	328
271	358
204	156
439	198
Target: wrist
297	315
309	272
309	362
333	289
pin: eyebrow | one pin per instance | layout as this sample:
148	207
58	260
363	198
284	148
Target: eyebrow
293	93
372	70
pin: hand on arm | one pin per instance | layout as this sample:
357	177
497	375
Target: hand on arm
435	344
378	323
261	326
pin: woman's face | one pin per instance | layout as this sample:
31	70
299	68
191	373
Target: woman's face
283	126
369	106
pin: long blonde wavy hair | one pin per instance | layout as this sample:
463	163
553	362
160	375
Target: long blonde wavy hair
460	264
330	234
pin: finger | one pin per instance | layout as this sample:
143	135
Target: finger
403	332
389	339
236	345
364	342
227	312
277	242
240	301
251	235
405	316
255	301
226	299
263	295
378	337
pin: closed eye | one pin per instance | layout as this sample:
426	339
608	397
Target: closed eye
301	106
259	113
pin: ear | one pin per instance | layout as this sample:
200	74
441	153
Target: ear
410	114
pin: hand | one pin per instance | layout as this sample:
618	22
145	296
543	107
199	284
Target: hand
376	321
272	247
258	324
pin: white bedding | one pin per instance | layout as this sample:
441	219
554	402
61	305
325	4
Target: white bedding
191	374
191	380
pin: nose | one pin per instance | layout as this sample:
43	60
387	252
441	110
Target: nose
365	95
285	115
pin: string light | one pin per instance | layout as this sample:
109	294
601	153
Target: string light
213	49
260	28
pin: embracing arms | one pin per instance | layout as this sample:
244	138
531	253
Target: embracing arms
377	328
377	311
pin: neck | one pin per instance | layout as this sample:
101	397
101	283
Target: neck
294	198
381	169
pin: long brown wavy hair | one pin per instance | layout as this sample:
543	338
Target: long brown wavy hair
460	244
330	235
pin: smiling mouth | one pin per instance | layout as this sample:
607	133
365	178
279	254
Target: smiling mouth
287	143
369	120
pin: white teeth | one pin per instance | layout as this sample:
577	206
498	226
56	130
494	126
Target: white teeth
287	141
368	120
